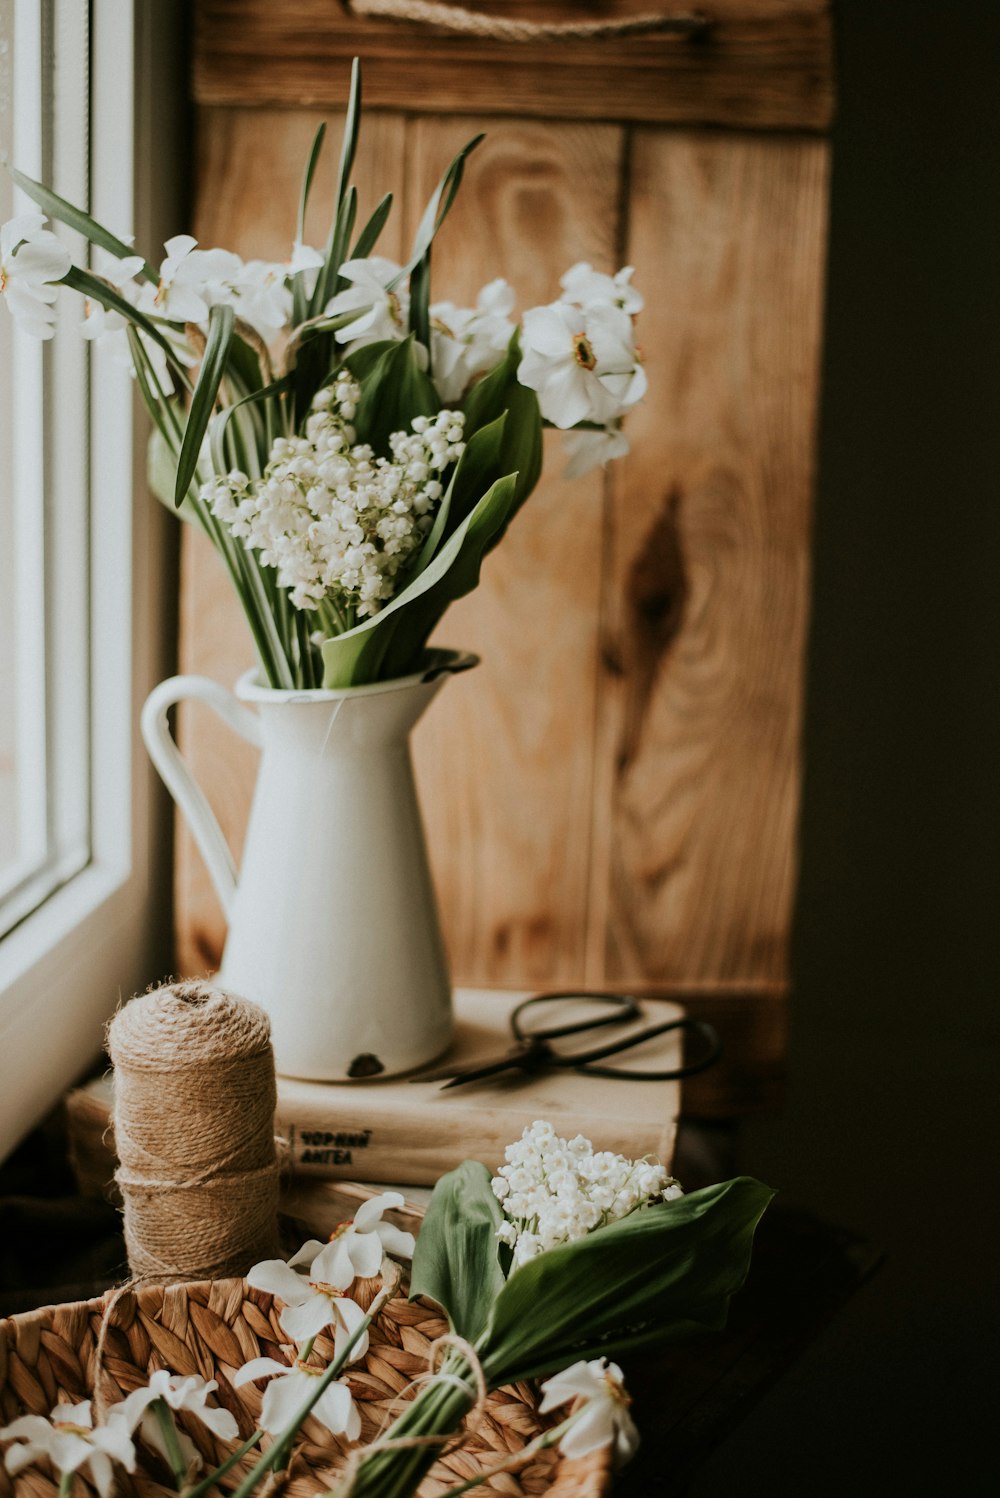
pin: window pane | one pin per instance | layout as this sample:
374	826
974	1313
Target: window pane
44	492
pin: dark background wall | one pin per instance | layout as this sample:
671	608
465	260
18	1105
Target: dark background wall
890	1125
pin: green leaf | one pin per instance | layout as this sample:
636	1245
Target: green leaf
213	367
337	238
368	238
93	287
455	1261
656	1276
475	471
75	218
307	180
352	127
392	641
419	266
501	391
394	391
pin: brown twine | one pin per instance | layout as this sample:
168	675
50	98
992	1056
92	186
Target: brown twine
448	1440
507	29
194	1121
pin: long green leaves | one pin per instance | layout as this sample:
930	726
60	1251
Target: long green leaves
395	390
75	218
99	291
656	1276
419	265
213	367
455	1261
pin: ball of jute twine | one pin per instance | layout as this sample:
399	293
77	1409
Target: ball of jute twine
194	1126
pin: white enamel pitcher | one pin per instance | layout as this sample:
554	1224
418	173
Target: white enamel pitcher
333	925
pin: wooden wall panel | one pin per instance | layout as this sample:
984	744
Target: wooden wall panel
708	553
505	759
755	63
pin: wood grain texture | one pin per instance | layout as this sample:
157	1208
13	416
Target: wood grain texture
249	169
760	64
505	760
708	562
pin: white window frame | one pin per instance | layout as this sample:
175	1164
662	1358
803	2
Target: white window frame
104	933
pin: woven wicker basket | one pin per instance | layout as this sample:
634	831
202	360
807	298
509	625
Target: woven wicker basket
211	1329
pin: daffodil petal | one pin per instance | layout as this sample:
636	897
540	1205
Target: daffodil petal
371	1211
365	1250
333	1407
396	1241
274	1276
334	1266
308	1319
282	1401
258	1368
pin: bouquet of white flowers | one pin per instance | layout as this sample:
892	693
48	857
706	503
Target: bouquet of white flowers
351	448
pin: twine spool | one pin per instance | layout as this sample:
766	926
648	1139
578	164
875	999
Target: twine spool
194	1126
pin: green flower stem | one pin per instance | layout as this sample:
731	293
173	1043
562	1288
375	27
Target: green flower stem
230	1462
283	1445
168	1430
388	1471
66	1484
517	1458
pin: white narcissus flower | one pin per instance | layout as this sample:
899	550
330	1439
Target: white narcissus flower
191	281
71	1443
291	1387
360	1244
603	1419
584	286
260	297
468	341
190	1394
315	1299
305	259
587	450
31	260
581	361
381	313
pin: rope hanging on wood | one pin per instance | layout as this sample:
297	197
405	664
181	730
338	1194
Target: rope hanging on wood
194	1127
506	29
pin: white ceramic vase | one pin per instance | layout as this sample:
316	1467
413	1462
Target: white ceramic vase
333	925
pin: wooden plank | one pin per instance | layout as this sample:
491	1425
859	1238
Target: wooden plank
504	760
249	170
708	560
760	63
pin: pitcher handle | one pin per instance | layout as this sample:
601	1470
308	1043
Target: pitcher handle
177	777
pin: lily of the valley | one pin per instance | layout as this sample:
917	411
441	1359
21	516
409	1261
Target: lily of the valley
32	259
603	1417
71	1443
582	362
291	1387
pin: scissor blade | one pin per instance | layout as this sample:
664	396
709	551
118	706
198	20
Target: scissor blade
476	1074
467	1071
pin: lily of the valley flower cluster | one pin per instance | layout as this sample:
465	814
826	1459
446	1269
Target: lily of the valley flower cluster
337	522
578	352
554	1190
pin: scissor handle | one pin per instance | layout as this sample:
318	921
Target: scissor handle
585	1062
625	1008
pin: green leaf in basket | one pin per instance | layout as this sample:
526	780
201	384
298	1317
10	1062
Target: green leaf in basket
455	1261
392	641
655	1276
213	366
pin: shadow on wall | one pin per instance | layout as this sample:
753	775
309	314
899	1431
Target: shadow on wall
890	1123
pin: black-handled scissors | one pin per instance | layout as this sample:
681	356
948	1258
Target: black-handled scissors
534	1051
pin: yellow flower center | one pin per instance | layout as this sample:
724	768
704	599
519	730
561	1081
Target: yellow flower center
305	1368
583	352
324	1289
395	310
3	280
617	1391
66	1425
340	1230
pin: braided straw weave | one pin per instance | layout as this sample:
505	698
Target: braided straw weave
211	1328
